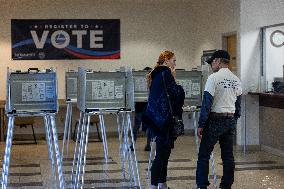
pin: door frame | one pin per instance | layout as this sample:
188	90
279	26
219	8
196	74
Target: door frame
224	46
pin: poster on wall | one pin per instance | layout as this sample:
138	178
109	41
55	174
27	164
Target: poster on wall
57	39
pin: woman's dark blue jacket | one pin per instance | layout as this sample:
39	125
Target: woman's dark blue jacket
157	114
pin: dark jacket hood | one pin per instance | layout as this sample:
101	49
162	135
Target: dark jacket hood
158	70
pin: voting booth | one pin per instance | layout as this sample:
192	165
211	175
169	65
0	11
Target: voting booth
141	91
71	78
102	93
33	93
191	81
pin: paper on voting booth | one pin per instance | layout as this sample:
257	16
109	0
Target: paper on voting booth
102	89
33	92
119	91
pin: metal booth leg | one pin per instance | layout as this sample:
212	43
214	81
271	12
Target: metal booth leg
66	128
85	153
103	136
128	155
57	153
120	129
6	163
75	149
104	127
80	152
119	133
133	143
131	172
69	129
49	145
124	145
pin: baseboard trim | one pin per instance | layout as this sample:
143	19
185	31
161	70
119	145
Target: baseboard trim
248	147
271	150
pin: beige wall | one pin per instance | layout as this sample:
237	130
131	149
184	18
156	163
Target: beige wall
147	27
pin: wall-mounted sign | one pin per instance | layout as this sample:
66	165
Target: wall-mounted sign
54	39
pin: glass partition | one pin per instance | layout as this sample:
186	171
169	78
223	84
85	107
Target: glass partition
273	56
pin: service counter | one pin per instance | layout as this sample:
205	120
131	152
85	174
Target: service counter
271	122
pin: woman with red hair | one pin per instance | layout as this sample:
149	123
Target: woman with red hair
158	117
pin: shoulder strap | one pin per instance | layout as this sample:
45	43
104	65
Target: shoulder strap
168	96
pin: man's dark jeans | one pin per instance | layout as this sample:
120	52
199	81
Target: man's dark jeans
222	129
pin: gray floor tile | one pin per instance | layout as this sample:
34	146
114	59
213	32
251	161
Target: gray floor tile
32	169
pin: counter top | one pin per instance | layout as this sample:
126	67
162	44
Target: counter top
278	95
273	100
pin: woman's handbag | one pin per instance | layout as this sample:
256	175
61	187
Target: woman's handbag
178	127
177	124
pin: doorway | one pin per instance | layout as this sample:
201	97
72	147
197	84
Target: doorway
230	44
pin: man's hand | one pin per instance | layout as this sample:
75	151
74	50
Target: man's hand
199	132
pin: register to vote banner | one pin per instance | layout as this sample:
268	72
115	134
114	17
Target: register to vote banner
54	39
